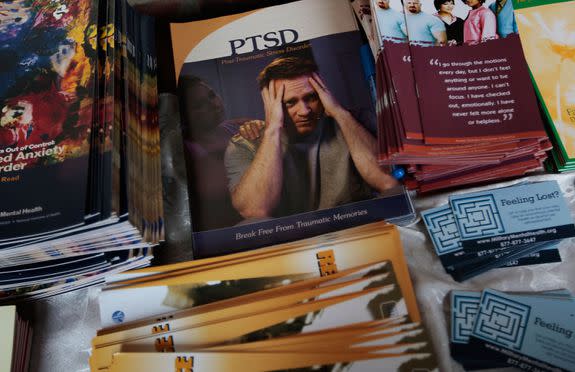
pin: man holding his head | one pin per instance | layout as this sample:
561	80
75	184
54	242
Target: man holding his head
313	154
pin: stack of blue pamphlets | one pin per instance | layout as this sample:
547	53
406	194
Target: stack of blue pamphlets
529	331
511	226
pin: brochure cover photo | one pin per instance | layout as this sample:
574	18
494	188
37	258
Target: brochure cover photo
279	128
548	34
46	97
456	102
477	88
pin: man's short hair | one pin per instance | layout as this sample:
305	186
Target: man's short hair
439	3
286	68
481	1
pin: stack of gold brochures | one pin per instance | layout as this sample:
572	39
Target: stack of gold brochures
341	299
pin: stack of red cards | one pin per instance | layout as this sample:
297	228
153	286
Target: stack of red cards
455	106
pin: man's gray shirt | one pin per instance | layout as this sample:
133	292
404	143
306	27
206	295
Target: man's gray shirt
318	171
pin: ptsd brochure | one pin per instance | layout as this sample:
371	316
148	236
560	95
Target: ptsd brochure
279	127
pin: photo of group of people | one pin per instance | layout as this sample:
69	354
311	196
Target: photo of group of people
444	22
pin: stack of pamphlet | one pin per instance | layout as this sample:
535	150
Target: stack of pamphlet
343	298
15	340
530	331
546	29
279	129
79	144
507	227
456	105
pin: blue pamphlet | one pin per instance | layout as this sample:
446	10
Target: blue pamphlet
512	216
463	263
527	332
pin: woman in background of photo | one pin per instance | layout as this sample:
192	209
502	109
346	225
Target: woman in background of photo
480	25
453	24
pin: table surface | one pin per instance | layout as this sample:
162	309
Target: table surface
65	324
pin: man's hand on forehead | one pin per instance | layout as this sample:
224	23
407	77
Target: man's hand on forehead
273	104
330	104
